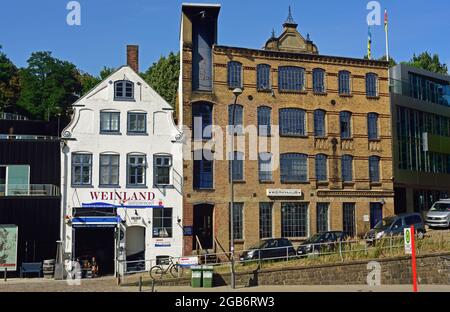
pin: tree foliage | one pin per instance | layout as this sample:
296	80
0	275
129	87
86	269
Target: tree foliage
9	83
163	77
429	62
49	86
88	82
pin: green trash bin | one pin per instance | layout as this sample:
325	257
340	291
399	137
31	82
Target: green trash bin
196	278
208	274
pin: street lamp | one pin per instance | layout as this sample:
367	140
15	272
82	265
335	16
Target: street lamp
236	92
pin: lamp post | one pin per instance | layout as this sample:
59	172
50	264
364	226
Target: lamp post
236	92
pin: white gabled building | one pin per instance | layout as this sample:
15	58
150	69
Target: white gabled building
122	175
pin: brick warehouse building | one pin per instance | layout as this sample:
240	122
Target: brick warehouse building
333	117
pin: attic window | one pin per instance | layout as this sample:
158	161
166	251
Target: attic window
123	90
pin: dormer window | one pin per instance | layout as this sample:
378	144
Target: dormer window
123	90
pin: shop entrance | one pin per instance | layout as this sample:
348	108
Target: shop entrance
135	248
96	242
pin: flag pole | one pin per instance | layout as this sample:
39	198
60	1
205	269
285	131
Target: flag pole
386	30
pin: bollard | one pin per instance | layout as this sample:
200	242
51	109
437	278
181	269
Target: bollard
153	285
6	273
140	283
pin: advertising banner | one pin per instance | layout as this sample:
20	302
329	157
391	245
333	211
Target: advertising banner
8	247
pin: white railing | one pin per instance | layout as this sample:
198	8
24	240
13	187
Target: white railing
45	190
28	137
10	116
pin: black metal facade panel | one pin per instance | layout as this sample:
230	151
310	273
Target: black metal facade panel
39	225
42	156
30	127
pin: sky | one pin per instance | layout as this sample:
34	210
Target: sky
107	26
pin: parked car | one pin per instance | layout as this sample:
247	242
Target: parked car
439	214
271	248
321	242
395	225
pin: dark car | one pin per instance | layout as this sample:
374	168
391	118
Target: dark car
321	242
395	225
272	248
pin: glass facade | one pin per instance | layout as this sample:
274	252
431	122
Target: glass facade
428	89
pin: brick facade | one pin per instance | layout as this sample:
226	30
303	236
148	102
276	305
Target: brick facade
251	192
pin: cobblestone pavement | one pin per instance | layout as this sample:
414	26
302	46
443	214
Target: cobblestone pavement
108	284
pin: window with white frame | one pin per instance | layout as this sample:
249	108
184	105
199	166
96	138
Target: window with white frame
123	90
109	122
137	122
109	169
162	222
137	165
81	169
163	166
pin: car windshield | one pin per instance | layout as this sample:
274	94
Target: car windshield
313	239
441	207
386	222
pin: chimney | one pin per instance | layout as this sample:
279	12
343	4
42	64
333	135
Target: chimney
133	57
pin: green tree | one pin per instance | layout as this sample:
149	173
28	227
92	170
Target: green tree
163	77
9	82
428	62
49	86
392	62
88	82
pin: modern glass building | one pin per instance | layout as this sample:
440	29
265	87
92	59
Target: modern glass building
421	132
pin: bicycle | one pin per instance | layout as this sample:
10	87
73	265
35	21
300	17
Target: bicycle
157	271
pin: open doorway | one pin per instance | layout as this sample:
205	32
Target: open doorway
203	225
135	248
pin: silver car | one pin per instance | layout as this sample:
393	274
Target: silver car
439	215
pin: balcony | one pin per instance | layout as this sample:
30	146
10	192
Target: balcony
22	137
29	190
427	91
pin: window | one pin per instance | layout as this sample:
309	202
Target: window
163	164
81	169
346	126
265	220
109	169
348	221
344	82
322	217
374	169
162	222
371	85
238	119
319	123
109	122
294	168
291	79
264	122
15	180
321	168
292	122
238	216
294	219
203	171
137	122
238	166
263	77
347	168
318	80
234	75
372	126
123	90
265	167
136	170
202	120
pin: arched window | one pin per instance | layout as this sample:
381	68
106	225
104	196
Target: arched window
234	74
374	169
202	120
372	126
371	85
318	80
294	168
238	119
123	90
263	77
319	123
344	82
345	119
292	122
291	79
264	120
347	168
321	168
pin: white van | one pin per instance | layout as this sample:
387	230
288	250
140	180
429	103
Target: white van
439	214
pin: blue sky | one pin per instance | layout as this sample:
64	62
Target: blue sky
337	27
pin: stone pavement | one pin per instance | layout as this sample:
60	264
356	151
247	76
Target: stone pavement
108	284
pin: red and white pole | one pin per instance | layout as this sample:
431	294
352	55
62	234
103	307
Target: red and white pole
413	259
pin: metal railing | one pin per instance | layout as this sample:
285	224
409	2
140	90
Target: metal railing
11	116
28	137
44	190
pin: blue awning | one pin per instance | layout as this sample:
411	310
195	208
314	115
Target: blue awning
96	221
108	205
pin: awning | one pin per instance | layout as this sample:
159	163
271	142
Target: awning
108	205
80	222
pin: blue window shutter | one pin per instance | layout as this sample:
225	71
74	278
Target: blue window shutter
264	122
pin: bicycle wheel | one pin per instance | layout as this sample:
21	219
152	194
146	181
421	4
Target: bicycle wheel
156	272
176	271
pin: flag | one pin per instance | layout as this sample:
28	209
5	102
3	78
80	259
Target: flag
369	45
385	20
